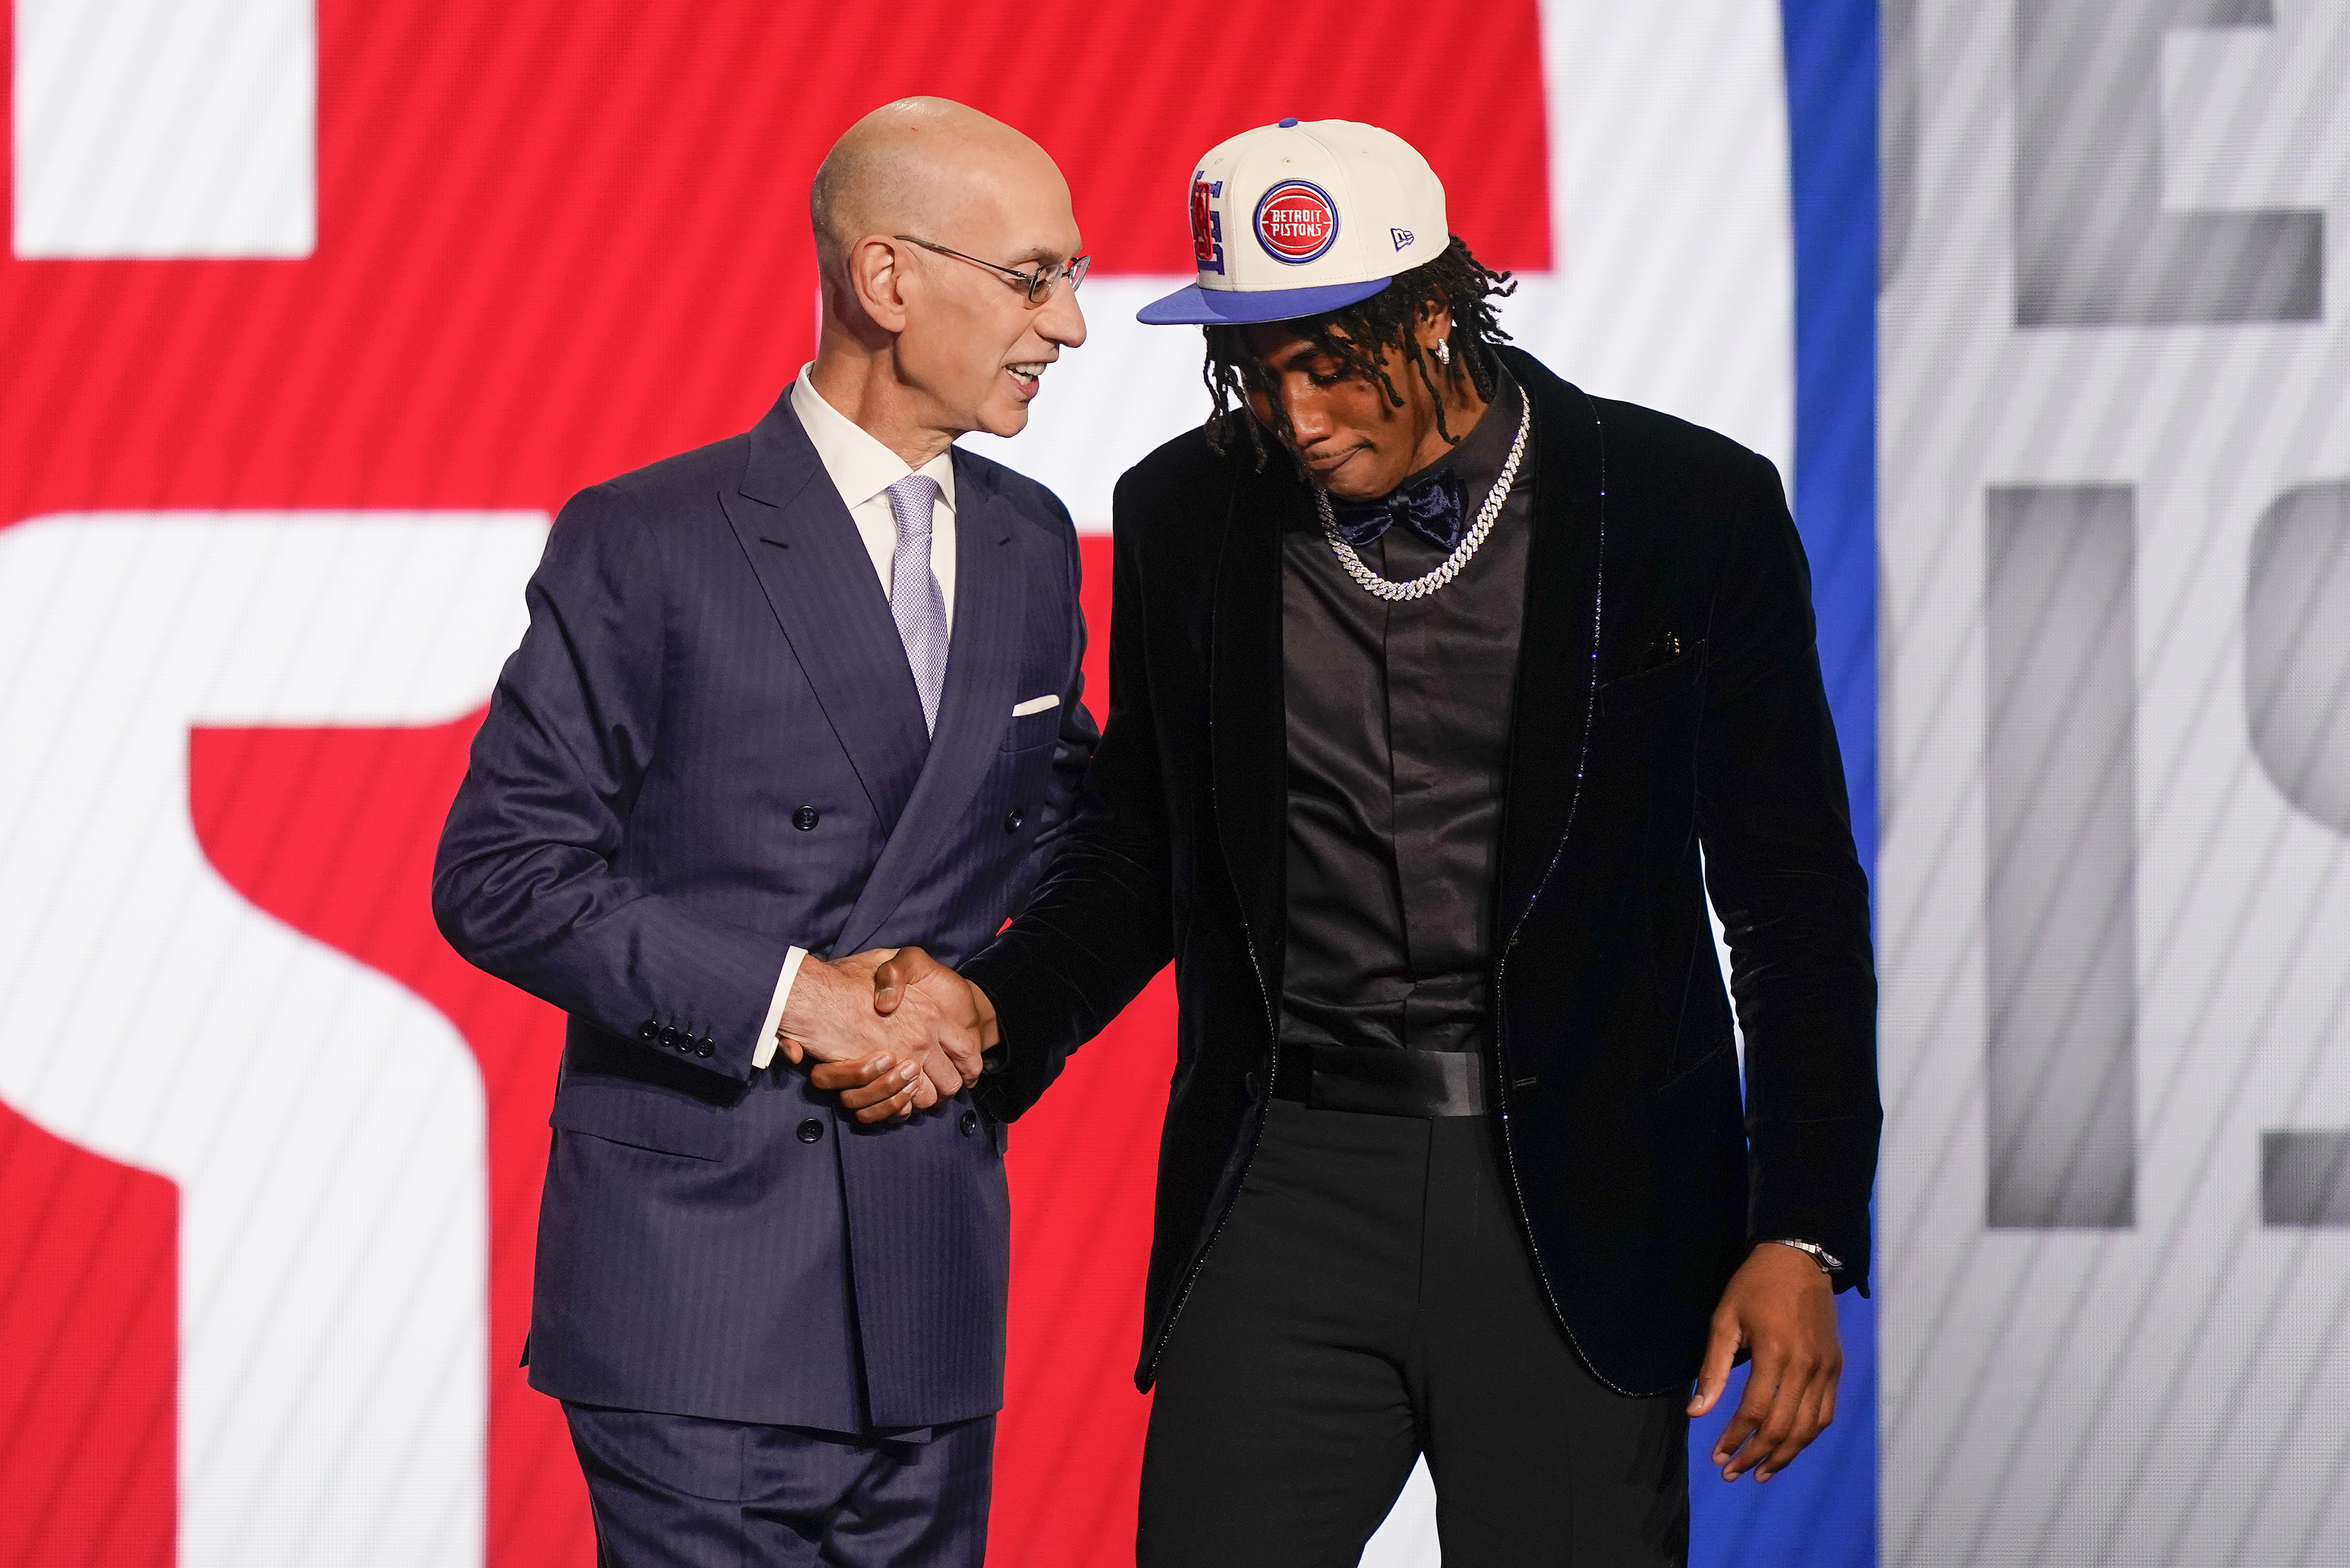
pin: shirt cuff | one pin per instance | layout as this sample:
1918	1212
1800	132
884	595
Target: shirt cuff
765	1051
1828	1261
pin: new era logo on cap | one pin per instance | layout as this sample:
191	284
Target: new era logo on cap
1331	209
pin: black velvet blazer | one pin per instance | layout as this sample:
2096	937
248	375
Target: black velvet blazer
1668	701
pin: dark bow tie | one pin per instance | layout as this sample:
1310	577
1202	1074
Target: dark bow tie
1436	508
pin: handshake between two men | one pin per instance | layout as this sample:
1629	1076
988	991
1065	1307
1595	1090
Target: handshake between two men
893	1030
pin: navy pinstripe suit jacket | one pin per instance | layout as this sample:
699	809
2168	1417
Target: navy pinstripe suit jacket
707	748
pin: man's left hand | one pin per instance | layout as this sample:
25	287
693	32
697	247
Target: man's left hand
1780	1305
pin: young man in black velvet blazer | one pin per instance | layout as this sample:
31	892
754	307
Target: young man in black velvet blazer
1441	694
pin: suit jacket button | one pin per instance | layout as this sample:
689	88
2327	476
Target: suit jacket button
669	1036
806	818
970	1123
1014	820
649	1031
705	1047
811	1130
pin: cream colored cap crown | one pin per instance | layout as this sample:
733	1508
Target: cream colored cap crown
1302	217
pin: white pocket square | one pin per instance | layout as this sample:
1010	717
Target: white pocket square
1034	705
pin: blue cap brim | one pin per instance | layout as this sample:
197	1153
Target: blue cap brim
1192	305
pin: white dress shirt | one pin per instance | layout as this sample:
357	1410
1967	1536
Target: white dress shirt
862	470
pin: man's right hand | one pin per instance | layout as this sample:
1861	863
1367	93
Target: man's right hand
908	985
903	1061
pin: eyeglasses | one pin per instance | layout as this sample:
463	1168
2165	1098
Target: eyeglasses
1038	284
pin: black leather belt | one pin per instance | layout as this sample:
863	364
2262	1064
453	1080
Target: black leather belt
1382	1080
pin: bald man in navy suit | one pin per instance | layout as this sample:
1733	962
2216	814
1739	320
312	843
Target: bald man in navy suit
809	691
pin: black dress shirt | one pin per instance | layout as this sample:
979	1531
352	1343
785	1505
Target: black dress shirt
1399	723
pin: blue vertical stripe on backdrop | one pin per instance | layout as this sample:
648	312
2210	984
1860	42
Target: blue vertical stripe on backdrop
1821	1513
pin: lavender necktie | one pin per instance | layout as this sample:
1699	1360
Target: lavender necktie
915	602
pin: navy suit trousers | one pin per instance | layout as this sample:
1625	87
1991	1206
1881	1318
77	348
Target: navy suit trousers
678	1492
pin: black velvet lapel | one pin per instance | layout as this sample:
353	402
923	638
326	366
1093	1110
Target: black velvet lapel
1557	671
819	581
1247	717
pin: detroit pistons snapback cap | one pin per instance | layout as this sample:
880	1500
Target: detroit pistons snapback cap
1302	217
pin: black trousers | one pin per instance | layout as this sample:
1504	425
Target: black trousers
1371	1298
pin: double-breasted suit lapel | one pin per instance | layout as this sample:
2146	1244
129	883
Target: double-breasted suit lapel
801	542
819	581
982	679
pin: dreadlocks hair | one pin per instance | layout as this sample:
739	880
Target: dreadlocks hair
1358	337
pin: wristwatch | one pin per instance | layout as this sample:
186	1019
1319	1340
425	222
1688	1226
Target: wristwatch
1828	1261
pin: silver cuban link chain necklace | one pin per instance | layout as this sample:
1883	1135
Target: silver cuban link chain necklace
1371	583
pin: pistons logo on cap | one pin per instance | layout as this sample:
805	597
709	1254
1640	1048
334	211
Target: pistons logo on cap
1296	222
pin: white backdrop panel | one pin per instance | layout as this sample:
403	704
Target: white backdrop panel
323	1124
2112	354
